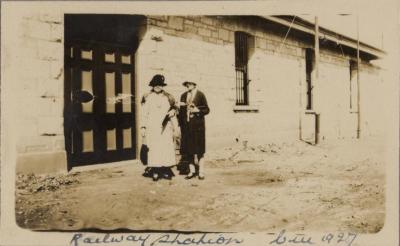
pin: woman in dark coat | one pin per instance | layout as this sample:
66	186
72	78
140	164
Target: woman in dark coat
193	108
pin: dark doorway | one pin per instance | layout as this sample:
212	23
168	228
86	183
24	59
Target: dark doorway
99	115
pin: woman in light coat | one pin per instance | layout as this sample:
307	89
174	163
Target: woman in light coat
159	125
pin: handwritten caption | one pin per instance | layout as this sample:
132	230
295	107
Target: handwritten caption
282	238
340	238
154	240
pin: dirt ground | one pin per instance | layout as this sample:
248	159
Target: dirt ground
335	186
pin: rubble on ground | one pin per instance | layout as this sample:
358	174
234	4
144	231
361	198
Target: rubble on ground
323	181
43	183
248	153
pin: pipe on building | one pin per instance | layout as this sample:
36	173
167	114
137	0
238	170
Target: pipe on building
358	83
316	57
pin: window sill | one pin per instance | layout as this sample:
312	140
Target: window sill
245	108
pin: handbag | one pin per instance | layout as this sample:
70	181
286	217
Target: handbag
144	150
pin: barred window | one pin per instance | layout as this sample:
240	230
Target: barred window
241	67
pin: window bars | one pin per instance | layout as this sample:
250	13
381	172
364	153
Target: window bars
241	67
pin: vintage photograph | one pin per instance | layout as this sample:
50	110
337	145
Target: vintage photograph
200	123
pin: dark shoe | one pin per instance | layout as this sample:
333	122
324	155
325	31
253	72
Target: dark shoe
201	177
146	174
166	176
168	171
155	177
190	176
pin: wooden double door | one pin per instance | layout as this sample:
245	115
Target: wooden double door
99	116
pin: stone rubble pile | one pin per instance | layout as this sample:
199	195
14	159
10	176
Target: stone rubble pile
43	183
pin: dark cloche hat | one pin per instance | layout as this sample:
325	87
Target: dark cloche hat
188	82
158	79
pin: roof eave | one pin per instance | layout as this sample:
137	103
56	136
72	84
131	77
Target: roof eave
329	35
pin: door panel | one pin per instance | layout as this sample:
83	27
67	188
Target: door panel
99	103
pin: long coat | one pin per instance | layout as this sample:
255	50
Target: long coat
159	139
193	139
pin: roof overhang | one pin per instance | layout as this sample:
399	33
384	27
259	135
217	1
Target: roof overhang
324	33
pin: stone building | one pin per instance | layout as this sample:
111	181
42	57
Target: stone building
78	97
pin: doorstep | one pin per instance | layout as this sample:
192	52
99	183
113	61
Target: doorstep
106	165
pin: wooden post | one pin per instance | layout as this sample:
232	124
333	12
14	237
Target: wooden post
316	78
316	43
358	82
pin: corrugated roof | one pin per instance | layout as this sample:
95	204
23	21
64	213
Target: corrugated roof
306	26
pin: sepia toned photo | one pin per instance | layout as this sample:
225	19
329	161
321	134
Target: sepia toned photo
132	122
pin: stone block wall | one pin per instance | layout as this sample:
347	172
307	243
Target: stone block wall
198	48
202	47
36	83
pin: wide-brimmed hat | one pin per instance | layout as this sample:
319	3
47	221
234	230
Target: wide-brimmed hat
157	80
188	82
